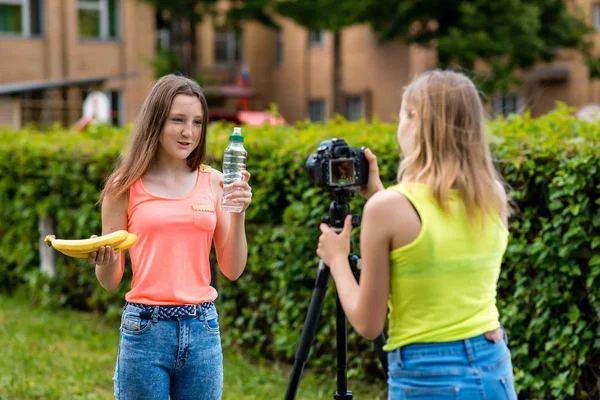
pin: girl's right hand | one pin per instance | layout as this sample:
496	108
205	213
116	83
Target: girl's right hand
374	184
104	256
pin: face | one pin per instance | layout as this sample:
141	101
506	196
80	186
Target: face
406	129
182	129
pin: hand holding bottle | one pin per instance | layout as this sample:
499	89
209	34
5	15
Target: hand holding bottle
235	175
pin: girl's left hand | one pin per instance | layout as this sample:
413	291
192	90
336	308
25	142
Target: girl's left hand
242	193
334	247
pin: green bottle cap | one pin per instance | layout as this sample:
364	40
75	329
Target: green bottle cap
237	135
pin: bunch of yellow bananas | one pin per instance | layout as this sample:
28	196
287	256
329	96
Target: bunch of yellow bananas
82	248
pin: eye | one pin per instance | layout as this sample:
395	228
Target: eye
177	119
198	123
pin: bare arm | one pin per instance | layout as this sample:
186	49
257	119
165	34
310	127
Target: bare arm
110	265
365	304
504	212
230	233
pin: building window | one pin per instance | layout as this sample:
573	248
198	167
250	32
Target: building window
505	104
315	38
116	107
278	48
98	19
596	14
21	17
316	110
355	108
228	49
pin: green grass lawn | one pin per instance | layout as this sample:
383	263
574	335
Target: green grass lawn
61	354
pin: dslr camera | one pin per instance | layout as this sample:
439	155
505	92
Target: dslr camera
337	166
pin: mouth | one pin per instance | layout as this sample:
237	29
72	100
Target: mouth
184	144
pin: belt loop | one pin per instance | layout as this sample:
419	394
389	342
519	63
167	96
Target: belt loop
203	311
199	311
469	349
399	360
155	314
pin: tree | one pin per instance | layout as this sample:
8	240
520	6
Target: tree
498	37
330	15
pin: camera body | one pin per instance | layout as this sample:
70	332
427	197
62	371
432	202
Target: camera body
337	166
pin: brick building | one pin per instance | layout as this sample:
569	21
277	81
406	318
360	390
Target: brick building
53	52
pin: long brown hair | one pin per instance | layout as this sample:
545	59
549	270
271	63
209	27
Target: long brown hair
450	148
144	139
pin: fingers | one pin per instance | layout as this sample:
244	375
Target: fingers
92	256
372	158
369	155
347	225
246	175
241	193
345	231
104	255
242	185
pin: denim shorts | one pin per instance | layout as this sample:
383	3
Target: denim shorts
179	357
466	369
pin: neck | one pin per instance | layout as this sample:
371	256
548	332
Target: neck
164	164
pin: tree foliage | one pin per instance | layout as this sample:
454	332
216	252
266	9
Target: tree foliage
498	37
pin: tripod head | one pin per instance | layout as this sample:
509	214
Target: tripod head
338	210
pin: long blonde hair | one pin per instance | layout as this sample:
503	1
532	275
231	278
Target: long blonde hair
450	148
144	139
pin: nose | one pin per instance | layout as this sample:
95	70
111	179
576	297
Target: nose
187	130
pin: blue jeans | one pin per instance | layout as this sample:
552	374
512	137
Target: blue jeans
158	358
466	369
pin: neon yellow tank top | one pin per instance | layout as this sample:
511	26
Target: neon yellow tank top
443	285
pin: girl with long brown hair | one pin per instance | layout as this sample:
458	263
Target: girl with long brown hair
432	246
162	191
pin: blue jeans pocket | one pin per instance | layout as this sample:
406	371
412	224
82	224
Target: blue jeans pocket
212	324
131	323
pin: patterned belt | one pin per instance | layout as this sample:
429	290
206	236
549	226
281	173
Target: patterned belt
169	312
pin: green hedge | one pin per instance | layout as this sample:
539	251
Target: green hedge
549	291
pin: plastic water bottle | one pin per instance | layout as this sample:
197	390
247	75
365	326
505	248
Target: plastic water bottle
234	162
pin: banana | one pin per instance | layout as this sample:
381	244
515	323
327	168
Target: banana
86	245
75	255
127	243
124	245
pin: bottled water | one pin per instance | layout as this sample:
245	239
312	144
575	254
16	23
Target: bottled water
234	162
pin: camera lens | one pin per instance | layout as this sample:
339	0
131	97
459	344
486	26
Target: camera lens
311	168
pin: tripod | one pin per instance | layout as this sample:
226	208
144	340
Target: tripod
338	210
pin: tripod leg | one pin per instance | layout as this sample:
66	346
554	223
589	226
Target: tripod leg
342	353
309	330
382	354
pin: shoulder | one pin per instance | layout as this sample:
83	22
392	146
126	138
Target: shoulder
505	210
386	204
388	198
113	203
501	190
215	177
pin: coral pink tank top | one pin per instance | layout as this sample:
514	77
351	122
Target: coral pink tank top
170	259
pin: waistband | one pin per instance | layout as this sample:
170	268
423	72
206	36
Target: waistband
458	346
419	350
170	312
